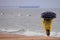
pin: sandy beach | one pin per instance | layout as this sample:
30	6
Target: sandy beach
22	37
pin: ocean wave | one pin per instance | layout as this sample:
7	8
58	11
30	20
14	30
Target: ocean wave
29	33
12	30
32	33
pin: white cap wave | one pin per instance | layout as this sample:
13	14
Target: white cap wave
30	33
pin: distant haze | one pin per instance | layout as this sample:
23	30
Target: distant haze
41	3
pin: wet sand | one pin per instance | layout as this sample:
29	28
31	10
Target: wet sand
22	37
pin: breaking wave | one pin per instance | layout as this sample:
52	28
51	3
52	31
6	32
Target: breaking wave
29	33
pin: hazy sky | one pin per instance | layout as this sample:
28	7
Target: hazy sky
41	3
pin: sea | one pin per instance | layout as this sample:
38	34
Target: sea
27	21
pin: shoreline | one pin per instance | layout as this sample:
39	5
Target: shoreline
22	37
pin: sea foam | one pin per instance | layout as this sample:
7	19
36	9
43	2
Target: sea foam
30	33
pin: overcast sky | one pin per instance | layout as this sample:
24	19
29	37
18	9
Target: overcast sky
41	3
